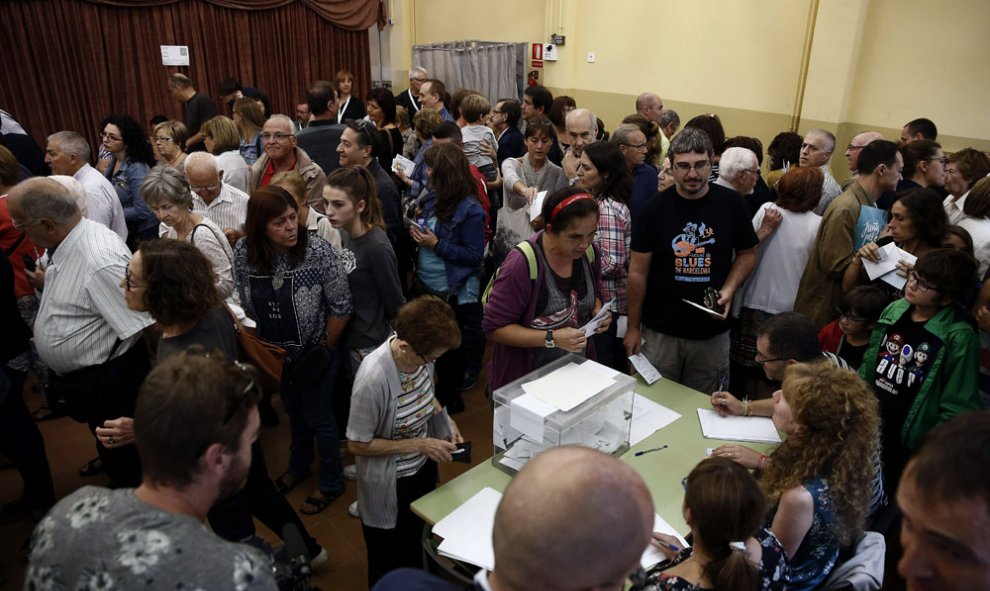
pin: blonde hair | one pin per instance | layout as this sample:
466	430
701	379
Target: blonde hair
837	439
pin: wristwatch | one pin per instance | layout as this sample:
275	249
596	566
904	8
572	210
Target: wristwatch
549	343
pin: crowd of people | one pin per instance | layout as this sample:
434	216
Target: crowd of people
854	315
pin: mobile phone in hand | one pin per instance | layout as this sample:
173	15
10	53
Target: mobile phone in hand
29	263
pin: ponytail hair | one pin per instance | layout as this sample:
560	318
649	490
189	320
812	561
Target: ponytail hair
727	508
359	185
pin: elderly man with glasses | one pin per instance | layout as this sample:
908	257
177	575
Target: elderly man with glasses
409	98
632	143
278	138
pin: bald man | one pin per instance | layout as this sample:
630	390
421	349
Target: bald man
596	510
278	137
856	144
582	129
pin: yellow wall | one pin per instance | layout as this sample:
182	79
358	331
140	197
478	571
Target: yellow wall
873	64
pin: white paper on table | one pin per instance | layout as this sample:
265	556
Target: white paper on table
648	417
467	530
602	370
645	368
528	414
592	325
652	554
568	386
404	164
734	428
536	207
621	327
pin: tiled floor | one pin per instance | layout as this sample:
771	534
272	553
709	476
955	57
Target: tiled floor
69	445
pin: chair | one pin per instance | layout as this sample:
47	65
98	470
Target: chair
864	570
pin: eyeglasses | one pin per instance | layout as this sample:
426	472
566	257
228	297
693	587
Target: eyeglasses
232	408
212	187
278	136
687	166
418	79
759	359
852	147
111	137
21	225
638	147
850	317
127	281
160	139
922	285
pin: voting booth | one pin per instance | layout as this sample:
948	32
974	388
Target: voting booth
569	401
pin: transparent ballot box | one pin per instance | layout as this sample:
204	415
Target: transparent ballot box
569	401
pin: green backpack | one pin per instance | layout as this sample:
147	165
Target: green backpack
526	248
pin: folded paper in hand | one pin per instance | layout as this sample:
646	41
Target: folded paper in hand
404	164
536	207
886	269
592	325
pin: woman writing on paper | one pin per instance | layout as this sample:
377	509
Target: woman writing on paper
533	321
724	507
818	481
398	432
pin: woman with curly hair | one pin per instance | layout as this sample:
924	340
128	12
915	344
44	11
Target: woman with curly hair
130	160
818	481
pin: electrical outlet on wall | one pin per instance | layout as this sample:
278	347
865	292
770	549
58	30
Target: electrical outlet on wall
591	57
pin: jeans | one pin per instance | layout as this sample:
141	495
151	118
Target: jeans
310	411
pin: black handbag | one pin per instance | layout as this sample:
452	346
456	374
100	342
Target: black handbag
309	369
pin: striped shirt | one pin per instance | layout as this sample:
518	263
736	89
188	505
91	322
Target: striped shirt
102	203
228	210
830	190
82	311
415	407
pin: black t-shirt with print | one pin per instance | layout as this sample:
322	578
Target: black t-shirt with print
693	243
906	354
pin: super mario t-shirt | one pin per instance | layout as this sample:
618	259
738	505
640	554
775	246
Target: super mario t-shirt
906	354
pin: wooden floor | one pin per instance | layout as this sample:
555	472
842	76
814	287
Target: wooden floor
70	445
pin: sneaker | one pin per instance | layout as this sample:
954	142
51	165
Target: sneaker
350	472
353	509
468	381
320	559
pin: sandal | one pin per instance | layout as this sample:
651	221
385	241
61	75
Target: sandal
91	468
320	503
286	482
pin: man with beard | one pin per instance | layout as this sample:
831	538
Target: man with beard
194	424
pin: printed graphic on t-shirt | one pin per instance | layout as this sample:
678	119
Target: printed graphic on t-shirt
902	364
692	258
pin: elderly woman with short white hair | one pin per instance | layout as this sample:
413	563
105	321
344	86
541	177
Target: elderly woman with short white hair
167	194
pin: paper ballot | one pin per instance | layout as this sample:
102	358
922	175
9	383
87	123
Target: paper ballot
568	386
592	325
645	368
528	415
404	164
733	428
886	269
536	207
648	417
652	555
467	531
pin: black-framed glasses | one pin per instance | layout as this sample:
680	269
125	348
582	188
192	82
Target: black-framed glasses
759	359
21	225
923	286
850	317
109	136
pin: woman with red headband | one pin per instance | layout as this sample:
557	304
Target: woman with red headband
533	321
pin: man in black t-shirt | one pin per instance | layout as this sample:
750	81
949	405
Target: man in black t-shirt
694	240
197	108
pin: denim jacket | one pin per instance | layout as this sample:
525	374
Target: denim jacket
461	241
127	181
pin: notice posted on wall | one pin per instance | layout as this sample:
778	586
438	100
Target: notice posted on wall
175	55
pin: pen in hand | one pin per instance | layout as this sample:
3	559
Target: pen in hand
646	451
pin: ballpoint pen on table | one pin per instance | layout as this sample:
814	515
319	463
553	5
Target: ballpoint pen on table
646	451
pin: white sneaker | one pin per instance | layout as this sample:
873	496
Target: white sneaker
350	472
353	509
320	559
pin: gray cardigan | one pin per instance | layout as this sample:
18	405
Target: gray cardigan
373	405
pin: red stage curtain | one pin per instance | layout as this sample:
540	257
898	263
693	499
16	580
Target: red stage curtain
69	63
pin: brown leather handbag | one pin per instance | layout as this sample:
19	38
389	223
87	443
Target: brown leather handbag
265	356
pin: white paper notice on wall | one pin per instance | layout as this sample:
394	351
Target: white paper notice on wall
175	55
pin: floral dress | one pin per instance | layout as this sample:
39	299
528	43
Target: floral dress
773	569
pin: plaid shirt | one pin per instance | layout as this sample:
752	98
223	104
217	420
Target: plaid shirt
614	235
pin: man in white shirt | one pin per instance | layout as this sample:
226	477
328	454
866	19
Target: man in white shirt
816	150
67	153
84	330
224	204
738	170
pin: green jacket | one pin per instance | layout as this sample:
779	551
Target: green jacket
951	386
